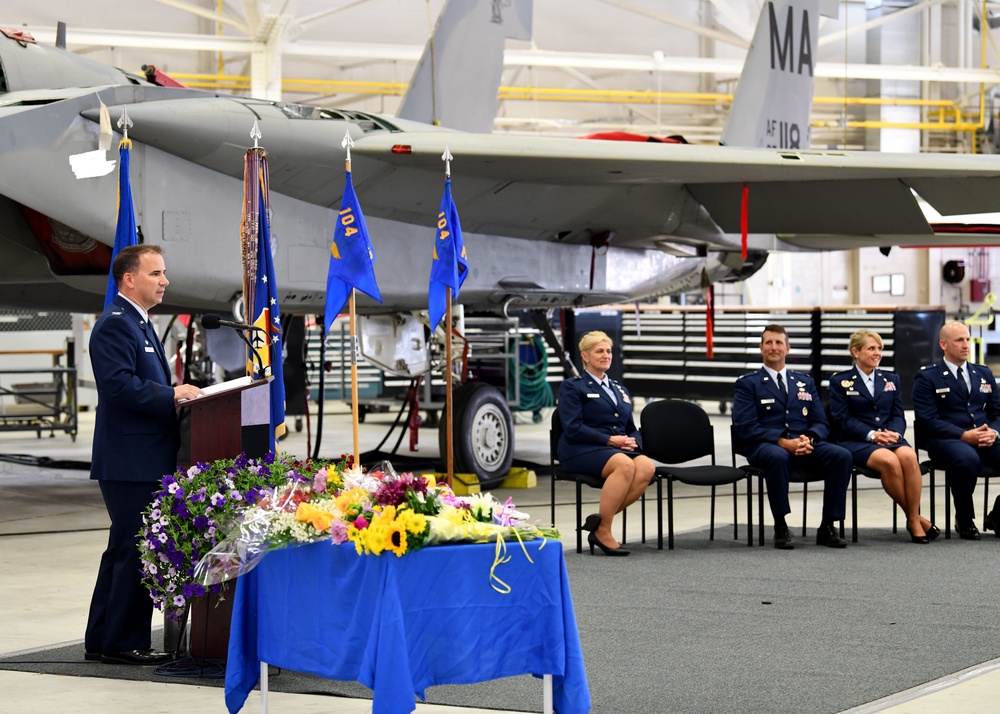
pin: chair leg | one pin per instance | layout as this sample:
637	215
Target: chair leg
947	507
805	506
895	516
711	517
854	507
642	515
760	507
579	517
553	479
670	513
624	524
659	513
986	500
749	511
931	472
736	522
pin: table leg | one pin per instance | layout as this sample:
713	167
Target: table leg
547	694
263	688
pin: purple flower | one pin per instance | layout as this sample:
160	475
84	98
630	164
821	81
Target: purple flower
201	522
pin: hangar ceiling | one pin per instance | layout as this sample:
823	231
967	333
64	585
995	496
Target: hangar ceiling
647	66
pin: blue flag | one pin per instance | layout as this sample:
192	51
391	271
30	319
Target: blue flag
267	316
352	260
125	232
450	265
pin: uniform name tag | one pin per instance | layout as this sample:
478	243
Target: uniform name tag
853	394
150	349
593	396
767	401
942	390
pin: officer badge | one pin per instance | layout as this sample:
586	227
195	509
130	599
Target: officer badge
805	411
847	384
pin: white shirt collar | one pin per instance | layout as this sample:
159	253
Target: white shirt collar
774	373
606	381
953	367
142	313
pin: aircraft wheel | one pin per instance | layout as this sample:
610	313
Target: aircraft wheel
483	433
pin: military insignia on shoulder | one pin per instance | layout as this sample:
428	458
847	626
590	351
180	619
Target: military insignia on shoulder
117	312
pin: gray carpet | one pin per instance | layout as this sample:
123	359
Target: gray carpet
716	626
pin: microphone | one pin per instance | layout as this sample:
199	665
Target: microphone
211	321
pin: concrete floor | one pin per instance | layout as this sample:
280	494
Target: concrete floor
46	577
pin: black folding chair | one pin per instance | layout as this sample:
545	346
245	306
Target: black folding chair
674	432
581	480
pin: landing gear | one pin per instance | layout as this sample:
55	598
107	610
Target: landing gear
483	433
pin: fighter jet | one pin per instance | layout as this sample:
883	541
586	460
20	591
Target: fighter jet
548	222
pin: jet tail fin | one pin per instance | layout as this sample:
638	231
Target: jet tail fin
456	81
775	92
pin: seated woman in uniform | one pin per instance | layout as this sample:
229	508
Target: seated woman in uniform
866	412
599	438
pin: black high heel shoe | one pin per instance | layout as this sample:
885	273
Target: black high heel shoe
932	532
923	540
592	523
593	540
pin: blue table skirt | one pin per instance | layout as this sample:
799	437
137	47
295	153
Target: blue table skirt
400	625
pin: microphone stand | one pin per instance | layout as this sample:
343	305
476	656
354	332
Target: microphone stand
259	359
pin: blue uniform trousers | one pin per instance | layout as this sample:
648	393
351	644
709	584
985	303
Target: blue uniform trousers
832	460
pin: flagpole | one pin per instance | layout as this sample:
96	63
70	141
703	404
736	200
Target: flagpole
448	426
347	143
354	376
449	433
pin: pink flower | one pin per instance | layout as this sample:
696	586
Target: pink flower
338	532
360	523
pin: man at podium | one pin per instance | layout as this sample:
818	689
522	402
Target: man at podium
135	444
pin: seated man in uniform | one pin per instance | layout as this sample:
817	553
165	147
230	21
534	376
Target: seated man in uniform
780	421
957	413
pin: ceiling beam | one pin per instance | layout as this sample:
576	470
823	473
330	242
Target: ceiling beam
512	58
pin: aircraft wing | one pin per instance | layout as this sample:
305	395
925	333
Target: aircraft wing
570	190
560	185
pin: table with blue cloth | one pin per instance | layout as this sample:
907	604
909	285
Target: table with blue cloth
400	625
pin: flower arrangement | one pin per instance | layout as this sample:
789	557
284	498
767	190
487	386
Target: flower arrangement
193	511
379	512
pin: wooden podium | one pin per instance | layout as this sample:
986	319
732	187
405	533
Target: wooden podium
232	417
235	416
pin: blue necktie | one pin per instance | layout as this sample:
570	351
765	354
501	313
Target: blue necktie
963	388
781	386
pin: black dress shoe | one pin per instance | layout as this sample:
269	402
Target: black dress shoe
592	522
967	531
593	540
917	539
827	535
932	532
140	657
92	656
783	538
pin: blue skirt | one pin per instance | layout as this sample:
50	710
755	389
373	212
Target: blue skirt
593	461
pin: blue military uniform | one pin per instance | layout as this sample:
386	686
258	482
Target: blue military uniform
762	414
854	411
589	417
135	445
943	411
